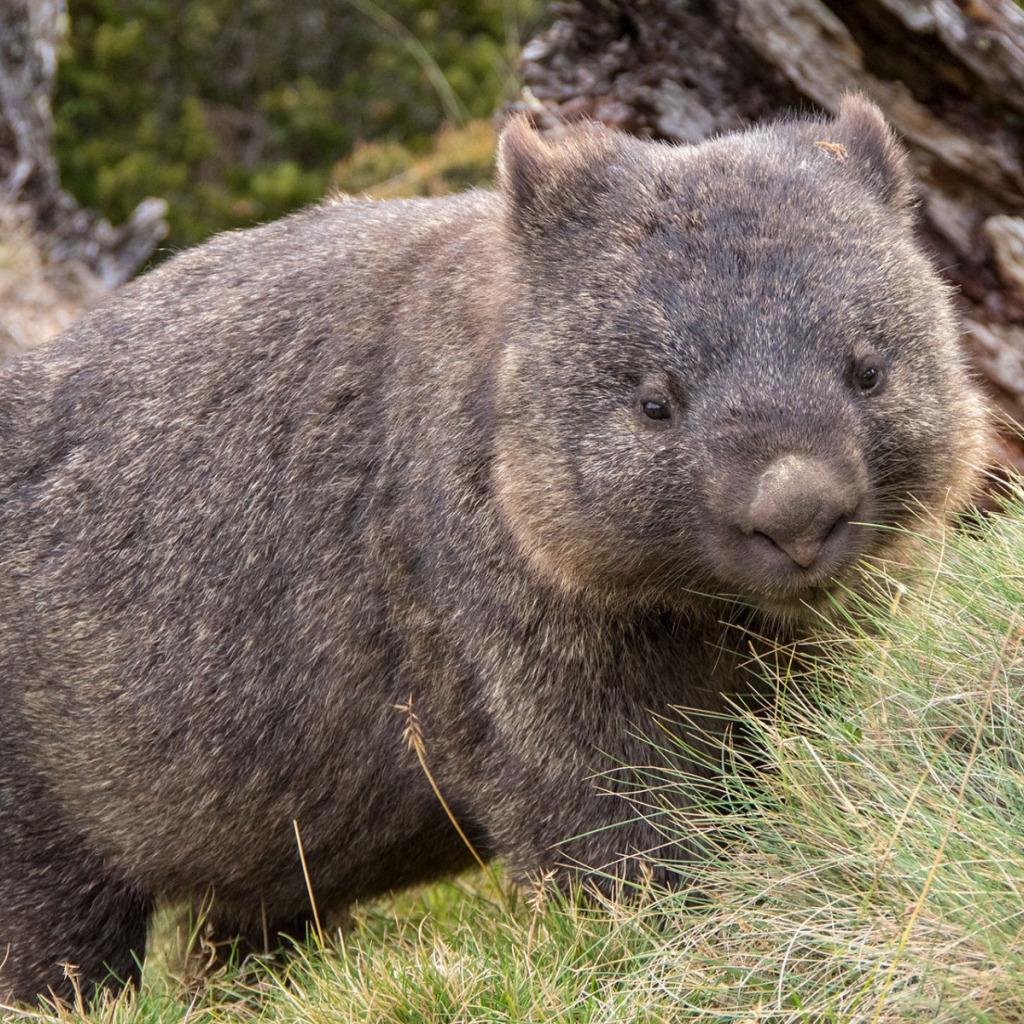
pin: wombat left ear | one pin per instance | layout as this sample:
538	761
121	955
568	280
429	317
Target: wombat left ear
869	144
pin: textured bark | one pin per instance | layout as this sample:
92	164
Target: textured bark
949	76
31	32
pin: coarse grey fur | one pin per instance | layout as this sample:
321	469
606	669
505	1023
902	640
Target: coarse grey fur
530	458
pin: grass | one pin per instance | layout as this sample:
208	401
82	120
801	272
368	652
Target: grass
38	298
866	863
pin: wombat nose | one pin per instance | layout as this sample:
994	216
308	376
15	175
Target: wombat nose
798	503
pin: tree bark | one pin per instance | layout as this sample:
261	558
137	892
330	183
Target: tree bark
31	32
949	75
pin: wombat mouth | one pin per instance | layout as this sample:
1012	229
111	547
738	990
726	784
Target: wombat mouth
764	573
803	594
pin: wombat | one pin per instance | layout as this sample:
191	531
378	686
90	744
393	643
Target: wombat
528	460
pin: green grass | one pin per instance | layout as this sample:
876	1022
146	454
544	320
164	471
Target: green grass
866	865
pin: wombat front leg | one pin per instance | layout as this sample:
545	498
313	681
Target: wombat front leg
592	828
59	906
240	935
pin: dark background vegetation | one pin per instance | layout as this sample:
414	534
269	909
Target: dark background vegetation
236	111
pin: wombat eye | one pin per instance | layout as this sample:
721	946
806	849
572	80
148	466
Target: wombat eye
868	376
656	410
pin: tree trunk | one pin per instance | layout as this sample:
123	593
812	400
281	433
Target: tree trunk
949	75
31	32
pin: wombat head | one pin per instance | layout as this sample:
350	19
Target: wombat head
728	367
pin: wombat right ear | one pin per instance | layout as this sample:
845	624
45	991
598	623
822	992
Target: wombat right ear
545	182
524	163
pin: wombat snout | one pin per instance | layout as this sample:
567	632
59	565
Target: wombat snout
802	507
781	531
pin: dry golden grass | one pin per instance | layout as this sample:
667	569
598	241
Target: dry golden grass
38	298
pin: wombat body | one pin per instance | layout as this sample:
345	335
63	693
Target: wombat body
527	459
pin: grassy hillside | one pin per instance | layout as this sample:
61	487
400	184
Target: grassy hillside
869	864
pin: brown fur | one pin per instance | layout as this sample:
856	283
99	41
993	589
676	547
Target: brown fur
528	457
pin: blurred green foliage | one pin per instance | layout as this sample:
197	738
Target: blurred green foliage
237	111
458	158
